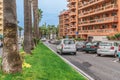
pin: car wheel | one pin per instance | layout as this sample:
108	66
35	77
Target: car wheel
98	54
57	51
61	53
75	53
87	51
115	54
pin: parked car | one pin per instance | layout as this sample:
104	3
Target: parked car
66	46
1	44
108	48
91	47
43	39
52	41
80	45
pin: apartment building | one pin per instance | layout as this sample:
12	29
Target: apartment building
63	23
1	17
94	17
98	17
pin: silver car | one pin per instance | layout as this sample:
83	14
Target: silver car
67	46
108	48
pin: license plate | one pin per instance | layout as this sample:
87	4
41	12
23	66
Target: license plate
104	50
67	48
88	46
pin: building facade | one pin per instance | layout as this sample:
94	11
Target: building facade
64	23
94	17
1	17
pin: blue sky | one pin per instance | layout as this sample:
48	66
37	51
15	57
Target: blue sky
50	8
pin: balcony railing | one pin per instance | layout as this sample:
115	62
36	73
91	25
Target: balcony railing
99	21
72	13
72	7
66	17
72	20
72	1
100	10
90	3
74	26
99	31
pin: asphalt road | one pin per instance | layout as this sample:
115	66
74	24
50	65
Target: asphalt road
100	68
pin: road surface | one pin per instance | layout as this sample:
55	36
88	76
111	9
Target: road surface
100	68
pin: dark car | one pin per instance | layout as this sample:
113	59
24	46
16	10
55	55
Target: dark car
91	47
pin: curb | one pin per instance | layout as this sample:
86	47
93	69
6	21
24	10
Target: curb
76	68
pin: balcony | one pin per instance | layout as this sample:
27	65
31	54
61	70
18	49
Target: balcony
72	14
72	1
99	21
98	32
73	26
91	3
66	17
107	8
66	22
73	20
72	33
72	7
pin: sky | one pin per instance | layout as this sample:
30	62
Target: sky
51	9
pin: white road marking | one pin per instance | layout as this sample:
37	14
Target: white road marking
116	60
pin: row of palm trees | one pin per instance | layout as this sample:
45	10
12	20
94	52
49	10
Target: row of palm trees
11	60
48	30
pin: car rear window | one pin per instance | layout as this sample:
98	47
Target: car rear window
105	44
80	43
69	42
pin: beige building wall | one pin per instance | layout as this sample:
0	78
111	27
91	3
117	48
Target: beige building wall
1	17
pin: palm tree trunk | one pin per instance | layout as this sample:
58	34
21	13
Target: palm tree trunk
31	32
36	19
11	61
27	27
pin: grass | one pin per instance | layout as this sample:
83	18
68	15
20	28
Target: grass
45	65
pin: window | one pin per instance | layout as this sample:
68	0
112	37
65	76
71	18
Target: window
114	26
69	42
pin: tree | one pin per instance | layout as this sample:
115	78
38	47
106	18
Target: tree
27	26
20	30
35	18
11	61
39	19
39	15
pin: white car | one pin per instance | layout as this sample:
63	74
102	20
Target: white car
108	48
66	46
43	39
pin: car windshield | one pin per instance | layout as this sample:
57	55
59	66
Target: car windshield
105	44
69	42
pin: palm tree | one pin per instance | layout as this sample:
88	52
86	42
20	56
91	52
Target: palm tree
27	26
39	19
20	30
31	30
39	15
11	61
36	18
